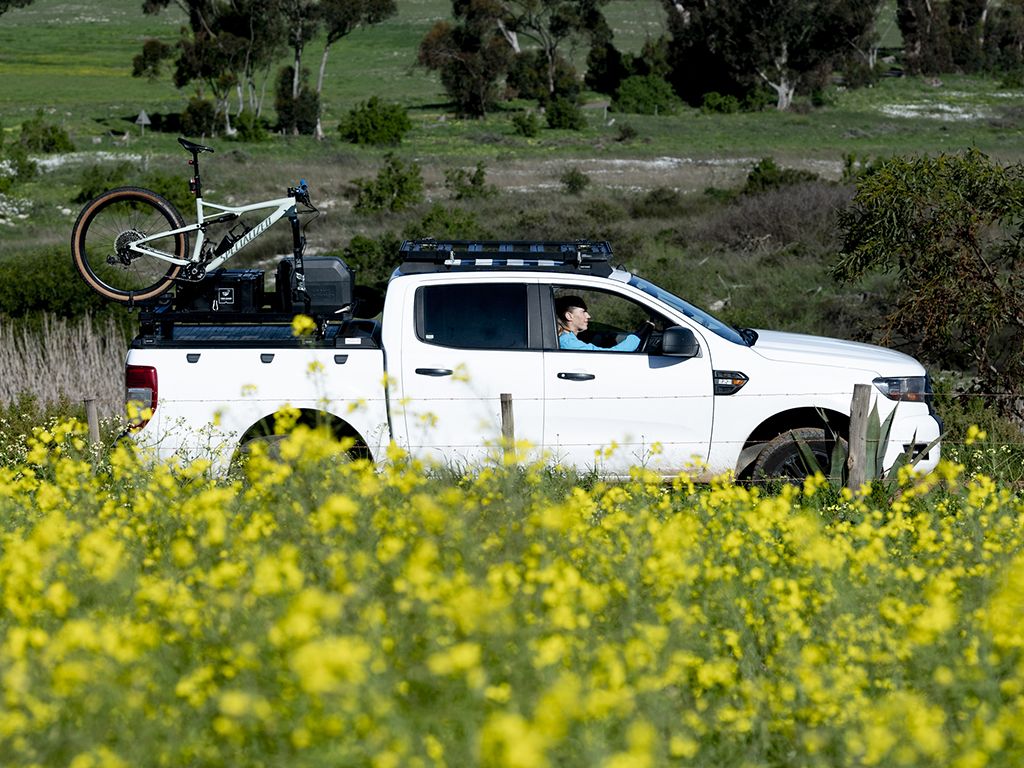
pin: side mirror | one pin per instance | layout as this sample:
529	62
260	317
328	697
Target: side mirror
679	342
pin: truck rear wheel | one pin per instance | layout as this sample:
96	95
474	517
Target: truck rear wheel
782	458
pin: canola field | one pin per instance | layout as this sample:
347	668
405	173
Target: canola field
317	612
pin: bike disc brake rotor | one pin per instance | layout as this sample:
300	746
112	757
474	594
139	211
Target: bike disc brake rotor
123	253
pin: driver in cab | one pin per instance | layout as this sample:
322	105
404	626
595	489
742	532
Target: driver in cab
574	318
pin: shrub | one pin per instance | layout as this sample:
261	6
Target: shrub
526	124
646	95
39	136
468	186
46	281
374	122
396	187
528	77
373	259
659	203
441	222
719	104
97	179
565	113
199	118
296	114
574	181
626	133
250	127
766	174
15	166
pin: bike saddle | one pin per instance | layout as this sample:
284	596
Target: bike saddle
193	147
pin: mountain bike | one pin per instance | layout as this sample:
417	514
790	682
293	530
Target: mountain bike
131	245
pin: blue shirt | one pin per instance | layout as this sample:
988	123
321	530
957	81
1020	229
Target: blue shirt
568	340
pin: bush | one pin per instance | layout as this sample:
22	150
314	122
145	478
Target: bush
199	118
39	136
297	114
250	127
659	203
626	133
574	181
396	187
375	123
716	103
526	124
97	179
454	223
468	186
528	77
766	174
15	166
646	95
373	259
46	281
566	114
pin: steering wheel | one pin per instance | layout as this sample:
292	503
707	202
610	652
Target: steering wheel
643	332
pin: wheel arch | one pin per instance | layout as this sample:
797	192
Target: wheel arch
313	418
795	418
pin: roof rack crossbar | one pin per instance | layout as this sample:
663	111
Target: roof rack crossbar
465	252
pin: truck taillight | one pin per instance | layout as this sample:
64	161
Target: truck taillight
139	394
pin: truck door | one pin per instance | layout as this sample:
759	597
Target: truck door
470	343
614	410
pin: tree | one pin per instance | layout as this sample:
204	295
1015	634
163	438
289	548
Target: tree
341	18
787	45
470	56
6	5
549	24
924	25
950	228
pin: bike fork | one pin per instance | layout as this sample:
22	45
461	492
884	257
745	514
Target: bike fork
299	245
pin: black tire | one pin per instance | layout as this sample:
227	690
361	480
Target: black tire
782	459
112	221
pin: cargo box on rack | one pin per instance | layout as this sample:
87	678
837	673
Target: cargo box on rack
226	290
329	282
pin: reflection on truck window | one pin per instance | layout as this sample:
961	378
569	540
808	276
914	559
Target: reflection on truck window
713	324
473	316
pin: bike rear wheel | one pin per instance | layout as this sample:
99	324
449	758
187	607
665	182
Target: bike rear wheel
104	232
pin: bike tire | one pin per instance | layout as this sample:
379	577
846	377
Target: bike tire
110	222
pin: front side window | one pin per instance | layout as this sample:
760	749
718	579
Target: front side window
473	315
606	320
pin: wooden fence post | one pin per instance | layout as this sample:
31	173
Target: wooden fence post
857	461
93	419
508	423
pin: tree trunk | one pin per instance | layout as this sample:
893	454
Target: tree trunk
318	132
510	36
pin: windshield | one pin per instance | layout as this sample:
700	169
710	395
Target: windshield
713	324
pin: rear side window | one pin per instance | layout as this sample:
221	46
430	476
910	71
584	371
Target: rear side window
473	316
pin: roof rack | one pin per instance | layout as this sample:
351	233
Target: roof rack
593	257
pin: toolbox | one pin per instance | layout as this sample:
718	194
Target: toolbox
329	283
226	290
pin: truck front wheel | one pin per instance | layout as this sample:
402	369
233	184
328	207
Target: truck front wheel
782	458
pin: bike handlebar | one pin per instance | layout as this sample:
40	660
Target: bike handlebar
301	192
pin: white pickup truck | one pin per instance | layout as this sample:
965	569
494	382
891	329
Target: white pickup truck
464	323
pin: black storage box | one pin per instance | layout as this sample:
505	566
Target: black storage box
226	290
329	282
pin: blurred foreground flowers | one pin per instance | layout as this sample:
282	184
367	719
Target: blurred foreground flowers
318	611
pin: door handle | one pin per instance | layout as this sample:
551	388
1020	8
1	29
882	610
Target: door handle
434	371
576	376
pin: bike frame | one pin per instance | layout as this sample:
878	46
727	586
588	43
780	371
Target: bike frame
284	206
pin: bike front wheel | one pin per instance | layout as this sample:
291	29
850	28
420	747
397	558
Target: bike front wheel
104	233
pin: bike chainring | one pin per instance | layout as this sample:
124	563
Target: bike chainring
192	272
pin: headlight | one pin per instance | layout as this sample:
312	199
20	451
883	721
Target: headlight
916	389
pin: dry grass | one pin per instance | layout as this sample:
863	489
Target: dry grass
77	359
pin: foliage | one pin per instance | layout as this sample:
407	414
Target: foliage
250	127
469	186
149	63
397	186
296	114
528	77
375	123
646	95
6	5
15	165
626	132
949	228
564	113
716	103
470	56
97	178
373	259
199	118
45	281
444	222
526	124
659	203
574	181
766	175
272	617
37	135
